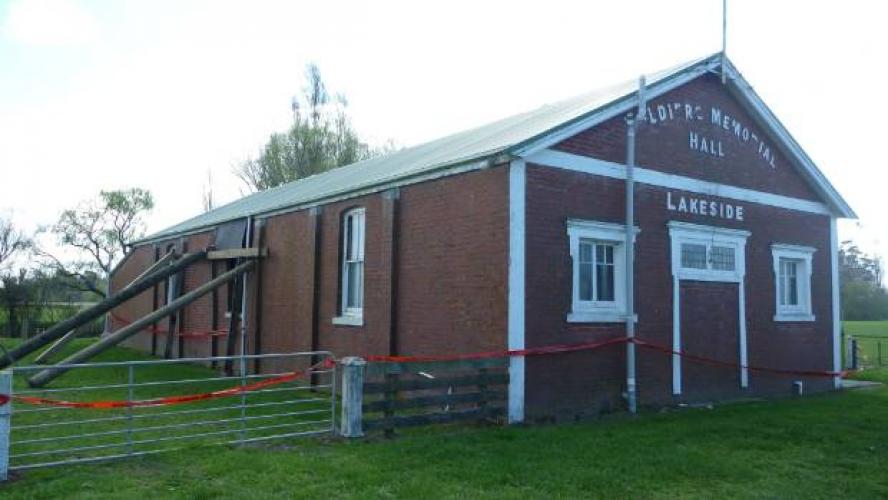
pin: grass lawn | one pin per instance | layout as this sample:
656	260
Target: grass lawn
822	446
816	447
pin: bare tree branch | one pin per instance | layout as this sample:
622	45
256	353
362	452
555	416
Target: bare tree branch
12	240
99	232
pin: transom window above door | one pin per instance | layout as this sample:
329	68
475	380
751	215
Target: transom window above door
707	253
709	256
597	251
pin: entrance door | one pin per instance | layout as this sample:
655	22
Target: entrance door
709	329
709	311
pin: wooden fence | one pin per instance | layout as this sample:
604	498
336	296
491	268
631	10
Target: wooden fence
400	395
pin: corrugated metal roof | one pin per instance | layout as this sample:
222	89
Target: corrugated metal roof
474	144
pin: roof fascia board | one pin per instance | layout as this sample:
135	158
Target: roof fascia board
750	98
616	108
486	162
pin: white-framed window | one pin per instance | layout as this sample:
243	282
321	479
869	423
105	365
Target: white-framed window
792	282
352	268
706	253
598	270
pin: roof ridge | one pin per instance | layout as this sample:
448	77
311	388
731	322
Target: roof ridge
486	140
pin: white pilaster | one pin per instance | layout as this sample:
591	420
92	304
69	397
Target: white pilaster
517	245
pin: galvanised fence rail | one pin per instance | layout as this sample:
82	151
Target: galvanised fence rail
49	428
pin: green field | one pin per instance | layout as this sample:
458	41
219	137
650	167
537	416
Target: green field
821	446
867	328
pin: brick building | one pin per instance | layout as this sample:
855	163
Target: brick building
512	235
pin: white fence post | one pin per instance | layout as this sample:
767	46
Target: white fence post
5	421
352	397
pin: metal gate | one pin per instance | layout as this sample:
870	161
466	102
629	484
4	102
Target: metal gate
109	410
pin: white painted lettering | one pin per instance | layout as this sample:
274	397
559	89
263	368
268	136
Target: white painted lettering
704	207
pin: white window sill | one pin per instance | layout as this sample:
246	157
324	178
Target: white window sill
790	317
598	317
349	320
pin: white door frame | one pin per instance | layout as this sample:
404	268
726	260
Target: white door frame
684	232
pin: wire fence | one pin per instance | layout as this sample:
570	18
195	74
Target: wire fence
871	351
166	405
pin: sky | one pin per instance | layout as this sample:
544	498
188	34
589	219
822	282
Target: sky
160	94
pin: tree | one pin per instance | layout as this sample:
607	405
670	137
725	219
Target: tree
16	295
208	200
12	240
864	297
97	234
12	288
318	140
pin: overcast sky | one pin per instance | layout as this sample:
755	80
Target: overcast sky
108	94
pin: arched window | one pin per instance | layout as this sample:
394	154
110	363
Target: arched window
352	263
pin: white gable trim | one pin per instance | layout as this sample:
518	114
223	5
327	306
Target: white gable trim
748	98
616	108
594	166
809	169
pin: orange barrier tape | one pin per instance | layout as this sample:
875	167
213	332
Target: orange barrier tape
329	363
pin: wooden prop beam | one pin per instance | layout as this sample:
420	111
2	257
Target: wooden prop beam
44	356
233	322
63	327
40	379
55	348
237	253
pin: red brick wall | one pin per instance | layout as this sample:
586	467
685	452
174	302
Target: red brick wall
287	284
451	283
596	380
453	264
665	145
131	267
